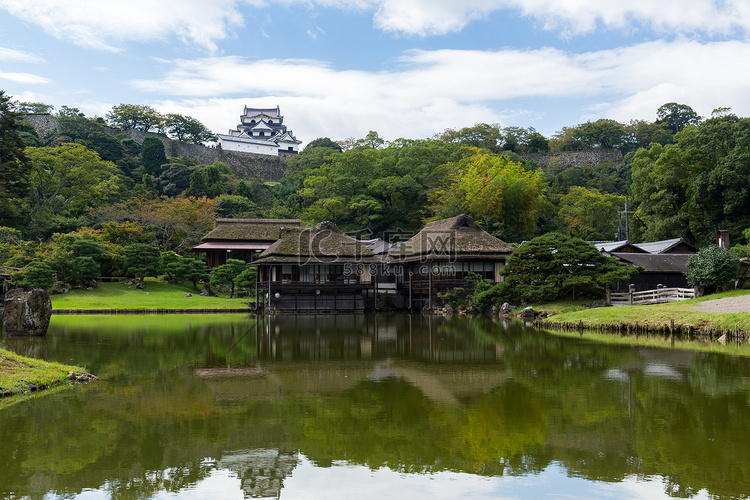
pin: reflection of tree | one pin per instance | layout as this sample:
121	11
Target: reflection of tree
391	423
506	401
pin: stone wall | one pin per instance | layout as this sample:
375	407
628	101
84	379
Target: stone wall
244	165
589	158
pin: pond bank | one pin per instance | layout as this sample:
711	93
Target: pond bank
714	316
20	375
151	311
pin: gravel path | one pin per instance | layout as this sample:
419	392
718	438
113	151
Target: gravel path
726	305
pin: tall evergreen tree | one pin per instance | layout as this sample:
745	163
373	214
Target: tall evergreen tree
13	163
153	156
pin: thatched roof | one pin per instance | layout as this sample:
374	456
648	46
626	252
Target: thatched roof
451	238
249	229
324	243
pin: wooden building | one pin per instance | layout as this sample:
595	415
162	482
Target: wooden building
317	269
241	239
441	256
664	262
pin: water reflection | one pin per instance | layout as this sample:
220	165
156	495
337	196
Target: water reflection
260	407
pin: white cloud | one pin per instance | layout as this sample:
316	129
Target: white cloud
433	90
570	17
18	56
102	25
27	78
106	25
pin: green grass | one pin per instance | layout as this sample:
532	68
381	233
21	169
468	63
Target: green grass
156	295
659	315
16	372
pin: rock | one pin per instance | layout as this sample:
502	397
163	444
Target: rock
82	377
723	339
206	292
27	313
60	288
188	295
506	309
528	312
140	285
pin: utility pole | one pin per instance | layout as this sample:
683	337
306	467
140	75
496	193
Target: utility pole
627	213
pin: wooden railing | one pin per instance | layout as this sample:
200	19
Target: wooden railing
657	296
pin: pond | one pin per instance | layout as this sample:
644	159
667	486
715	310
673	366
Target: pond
365	406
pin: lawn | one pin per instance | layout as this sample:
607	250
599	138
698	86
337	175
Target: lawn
683	313
156	295
17	372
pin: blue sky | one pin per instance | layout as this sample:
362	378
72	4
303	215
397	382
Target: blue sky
404	68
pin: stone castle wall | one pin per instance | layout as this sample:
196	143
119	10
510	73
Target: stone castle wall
590	158
244	165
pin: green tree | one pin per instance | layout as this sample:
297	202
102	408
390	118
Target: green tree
66	176
227	274
174	178
208	181
482	135
493	189
188	129
660	181
714	266
590	214
134	116
246	280
14	183
87	256
66	112
35	108
677	116
194	271
234	206
184	268
324	142
153	155
37	274
142	260
556	266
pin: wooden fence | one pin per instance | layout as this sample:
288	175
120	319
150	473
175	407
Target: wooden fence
658	296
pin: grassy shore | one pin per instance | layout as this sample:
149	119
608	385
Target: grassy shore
658	315
20	375
156	295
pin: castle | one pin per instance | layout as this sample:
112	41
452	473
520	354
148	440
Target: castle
261	131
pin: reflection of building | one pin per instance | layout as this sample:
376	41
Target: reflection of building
261	472
261	131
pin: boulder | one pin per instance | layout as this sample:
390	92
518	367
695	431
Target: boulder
188	295
206	292
27	313
528	312
506	309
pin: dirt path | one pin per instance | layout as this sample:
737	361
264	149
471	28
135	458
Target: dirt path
726	305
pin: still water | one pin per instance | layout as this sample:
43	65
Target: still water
372	407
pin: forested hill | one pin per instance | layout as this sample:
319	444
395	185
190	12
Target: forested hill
684	177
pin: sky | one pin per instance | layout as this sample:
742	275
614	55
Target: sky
403	68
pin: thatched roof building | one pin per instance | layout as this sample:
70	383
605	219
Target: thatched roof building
451	239
240	238
324	243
